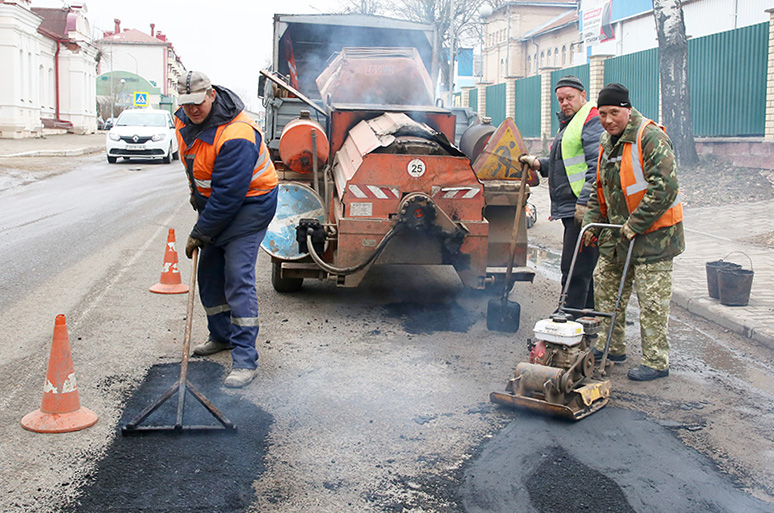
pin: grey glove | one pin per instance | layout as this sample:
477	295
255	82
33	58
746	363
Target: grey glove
191	245
531	160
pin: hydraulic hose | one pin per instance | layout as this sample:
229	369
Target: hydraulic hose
344	271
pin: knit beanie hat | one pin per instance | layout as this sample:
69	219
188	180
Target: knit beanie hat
570	81
614	94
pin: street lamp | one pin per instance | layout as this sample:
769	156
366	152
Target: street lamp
483	13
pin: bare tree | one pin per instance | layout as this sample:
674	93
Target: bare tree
452	19
371	7
673	67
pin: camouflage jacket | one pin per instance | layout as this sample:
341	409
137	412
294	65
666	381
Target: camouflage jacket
660	172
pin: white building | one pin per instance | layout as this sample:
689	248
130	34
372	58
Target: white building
150	56
49	70
635	29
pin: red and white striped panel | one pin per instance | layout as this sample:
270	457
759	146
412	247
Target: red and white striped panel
456	192
373	192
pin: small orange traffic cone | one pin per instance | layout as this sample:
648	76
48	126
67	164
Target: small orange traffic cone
60	410
170	282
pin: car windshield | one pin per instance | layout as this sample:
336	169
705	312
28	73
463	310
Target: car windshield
142	119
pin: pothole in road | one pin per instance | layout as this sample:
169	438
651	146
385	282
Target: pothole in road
165	472
418	318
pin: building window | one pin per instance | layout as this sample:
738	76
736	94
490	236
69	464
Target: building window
542	59
556	57
548	57
564	55
529	64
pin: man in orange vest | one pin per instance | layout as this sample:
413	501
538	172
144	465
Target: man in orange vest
636	187
234	188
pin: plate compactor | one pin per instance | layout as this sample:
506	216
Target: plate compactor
562	378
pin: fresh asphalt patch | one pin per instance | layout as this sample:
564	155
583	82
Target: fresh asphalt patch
191	471
614	461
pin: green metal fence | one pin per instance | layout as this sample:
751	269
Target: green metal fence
527	116
495	103
582	72
727	82
473	100
639	73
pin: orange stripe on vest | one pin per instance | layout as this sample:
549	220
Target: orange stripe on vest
241	127
634	184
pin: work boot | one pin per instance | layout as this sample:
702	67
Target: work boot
617	358
645	373
211	347
240	377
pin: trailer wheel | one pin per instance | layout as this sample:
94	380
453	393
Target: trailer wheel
284	284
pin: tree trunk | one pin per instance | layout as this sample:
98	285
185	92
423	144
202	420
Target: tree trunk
673	68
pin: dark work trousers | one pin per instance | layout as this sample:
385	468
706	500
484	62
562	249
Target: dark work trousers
580	293
227	291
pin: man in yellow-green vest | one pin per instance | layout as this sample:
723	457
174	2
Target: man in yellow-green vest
571	169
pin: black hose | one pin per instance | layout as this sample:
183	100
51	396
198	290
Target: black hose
344	271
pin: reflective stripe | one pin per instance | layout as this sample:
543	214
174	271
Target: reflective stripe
580	159
215	310
203	184
678	200
640	184
245	321
578	177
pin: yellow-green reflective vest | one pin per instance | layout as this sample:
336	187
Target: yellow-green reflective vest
572	149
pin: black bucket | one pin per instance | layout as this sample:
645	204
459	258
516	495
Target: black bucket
734	286
712	275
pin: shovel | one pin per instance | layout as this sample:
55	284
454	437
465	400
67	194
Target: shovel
503	314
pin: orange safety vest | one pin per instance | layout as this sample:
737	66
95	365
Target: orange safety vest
241	127
634	184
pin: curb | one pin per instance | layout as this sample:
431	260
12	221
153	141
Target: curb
711	310
57	153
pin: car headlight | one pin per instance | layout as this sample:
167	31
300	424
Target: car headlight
114	136
159	137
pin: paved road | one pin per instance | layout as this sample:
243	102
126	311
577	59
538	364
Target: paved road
373	399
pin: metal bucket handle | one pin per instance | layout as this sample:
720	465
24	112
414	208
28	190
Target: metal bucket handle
743	253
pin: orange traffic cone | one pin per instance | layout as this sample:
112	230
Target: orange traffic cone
170	282
60	410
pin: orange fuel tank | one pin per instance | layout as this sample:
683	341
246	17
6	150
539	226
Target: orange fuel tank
296	145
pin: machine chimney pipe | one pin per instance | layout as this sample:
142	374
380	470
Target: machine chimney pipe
117	29
153	28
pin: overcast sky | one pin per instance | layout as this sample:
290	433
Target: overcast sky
230	40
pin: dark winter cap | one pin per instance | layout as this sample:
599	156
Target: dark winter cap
614	94
570	81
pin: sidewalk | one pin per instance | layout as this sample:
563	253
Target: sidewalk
63	145
711	233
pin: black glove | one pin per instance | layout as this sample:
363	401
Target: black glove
191	245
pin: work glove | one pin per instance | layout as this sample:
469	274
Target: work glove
531	160
191	245
626	232
589	239
580	213
192	201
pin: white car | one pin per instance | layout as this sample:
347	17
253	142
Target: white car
142	133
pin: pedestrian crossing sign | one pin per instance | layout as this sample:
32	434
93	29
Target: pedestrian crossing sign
140	99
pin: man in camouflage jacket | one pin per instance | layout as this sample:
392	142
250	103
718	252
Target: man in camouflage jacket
652	215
